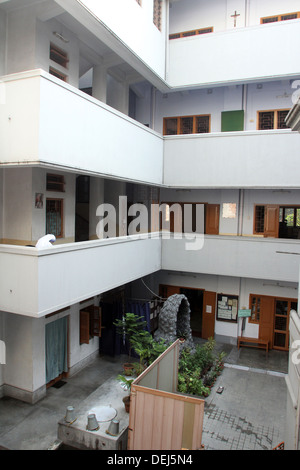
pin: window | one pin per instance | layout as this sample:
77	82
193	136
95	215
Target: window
194	32
54	217
187	125
273	119
277	221
255	309
90	323
275	19
58	74
55	183
58	55
157	13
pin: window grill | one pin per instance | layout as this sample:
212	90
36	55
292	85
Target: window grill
194	32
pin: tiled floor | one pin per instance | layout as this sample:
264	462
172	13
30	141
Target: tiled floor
249	414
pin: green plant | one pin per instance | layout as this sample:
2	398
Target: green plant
199	370
140	340
126	381
130	326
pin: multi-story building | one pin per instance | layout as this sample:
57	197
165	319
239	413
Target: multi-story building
120	102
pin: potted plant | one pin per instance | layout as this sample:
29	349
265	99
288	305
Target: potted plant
126	399
131	326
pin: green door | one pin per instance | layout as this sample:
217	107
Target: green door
232	121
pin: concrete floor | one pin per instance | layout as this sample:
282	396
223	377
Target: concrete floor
248	415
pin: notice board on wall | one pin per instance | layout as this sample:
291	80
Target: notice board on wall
227	307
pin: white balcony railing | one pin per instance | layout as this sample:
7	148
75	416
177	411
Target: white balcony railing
43	120
246	257
37	282
255	53
247	159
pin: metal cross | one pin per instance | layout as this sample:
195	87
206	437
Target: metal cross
235	17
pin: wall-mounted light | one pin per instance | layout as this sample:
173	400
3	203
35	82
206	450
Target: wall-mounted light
61	37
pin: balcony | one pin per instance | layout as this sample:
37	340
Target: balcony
45	121
260	258
257	53
37	282
247	159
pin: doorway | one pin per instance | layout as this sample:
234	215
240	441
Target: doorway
281	322
56	350
195	298
82	208
203	308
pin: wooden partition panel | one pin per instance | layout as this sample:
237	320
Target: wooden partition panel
160	418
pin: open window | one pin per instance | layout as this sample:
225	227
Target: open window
90	323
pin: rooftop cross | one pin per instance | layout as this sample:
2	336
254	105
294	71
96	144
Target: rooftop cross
235	17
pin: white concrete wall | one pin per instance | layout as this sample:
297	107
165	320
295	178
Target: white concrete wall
187	15
232	159
24	371
17	205
95	137
256	258
132	24
235	56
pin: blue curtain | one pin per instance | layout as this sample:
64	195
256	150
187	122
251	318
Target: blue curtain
142	309
56	348
111	342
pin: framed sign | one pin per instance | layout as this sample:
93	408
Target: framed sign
227	307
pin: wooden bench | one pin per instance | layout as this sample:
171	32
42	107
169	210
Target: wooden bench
253	343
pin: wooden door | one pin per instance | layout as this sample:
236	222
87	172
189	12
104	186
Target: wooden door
266	319
212	217
208	315
166	291
271	221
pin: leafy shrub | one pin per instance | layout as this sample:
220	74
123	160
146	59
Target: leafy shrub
199	370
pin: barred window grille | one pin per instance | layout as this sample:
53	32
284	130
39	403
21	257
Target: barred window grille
157	13
195	32
202	124
259	219
272	119
284	17
281	119
187	125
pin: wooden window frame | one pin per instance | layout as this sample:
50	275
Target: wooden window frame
275	111
90	323
279	17
59	183
191	33
61	235
58	55
188	116
56	73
